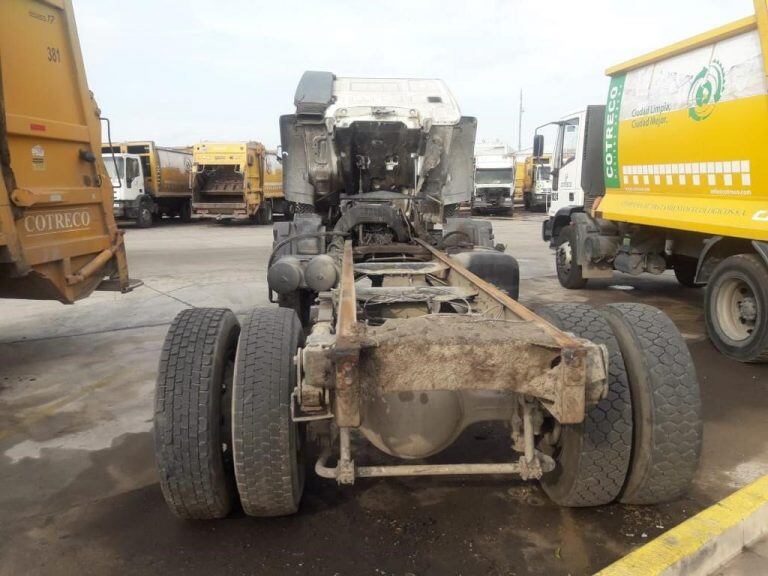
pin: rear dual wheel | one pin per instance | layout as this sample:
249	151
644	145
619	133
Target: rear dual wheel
193	449
222	414
592	457
651	377
268	445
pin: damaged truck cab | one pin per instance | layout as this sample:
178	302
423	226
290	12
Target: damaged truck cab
400	327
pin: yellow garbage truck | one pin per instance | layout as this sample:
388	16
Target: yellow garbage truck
149	181
236	180
58	238
674	175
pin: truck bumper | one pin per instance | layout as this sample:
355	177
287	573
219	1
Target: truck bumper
492	205
125	209
220	210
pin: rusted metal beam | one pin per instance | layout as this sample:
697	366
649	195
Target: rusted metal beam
346	352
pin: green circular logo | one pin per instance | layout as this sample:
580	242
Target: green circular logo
706	91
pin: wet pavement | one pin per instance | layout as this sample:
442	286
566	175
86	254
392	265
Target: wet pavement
78	490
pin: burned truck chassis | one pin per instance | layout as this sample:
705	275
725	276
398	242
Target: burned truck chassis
495	346
402	324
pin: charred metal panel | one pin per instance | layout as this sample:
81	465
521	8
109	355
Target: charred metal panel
452	178
296	184
376	156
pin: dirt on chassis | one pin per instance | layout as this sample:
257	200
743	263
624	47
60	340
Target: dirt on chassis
401	326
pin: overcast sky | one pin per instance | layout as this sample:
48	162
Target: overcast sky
178	71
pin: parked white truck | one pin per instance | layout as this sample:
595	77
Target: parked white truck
149	181
494	179
568	196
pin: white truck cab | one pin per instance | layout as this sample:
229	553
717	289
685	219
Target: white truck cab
127	175
567	174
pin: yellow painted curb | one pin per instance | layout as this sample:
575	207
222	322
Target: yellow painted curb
704	542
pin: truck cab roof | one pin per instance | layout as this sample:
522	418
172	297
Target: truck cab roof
413	101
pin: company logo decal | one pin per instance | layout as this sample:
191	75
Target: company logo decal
611	134
41	223
706	91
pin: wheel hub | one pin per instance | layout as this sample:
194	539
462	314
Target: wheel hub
737	309
564	257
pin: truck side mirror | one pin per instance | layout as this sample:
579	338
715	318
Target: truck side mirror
538	145
279	154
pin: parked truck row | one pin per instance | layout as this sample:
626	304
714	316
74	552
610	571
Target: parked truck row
222	180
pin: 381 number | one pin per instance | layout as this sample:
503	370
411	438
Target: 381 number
54	55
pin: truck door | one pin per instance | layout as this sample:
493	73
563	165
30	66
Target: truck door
134	179
568	175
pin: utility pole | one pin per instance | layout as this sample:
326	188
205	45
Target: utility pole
520	123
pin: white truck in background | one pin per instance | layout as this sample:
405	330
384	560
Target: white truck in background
569	195
494	179
149	181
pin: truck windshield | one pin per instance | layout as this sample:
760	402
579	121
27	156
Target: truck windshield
543	173
493	176
110	164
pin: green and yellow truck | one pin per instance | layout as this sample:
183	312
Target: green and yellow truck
673	174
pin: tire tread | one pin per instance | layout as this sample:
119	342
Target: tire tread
607	426
663	470
261	418
192	473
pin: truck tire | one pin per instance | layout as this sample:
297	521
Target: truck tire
736	308
685	272
268	447
497	268
144	217
568	272
592	457
666	404
526	200
185	211
192	406
265	214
